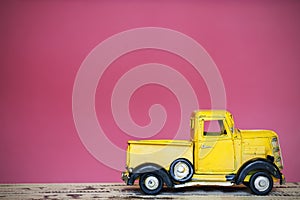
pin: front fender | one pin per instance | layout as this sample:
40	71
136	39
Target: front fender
258	165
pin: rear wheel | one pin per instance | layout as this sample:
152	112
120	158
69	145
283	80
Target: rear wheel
261	183
151	183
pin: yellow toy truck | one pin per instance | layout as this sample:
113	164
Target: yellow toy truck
217	154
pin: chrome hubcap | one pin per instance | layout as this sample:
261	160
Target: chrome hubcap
261	183
151	182
181	170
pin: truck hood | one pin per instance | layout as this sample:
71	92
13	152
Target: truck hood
257	134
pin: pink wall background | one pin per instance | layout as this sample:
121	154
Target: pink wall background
255	45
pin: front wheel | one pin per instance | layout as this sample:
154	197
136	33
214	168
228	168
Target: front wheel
261	183
151	183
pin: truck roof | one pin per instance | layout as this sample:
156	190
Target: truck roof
211	114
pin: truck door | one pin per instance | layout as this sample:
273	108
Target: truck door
215	150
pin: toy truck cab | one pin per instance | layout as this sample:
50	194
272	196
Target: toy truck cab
217	154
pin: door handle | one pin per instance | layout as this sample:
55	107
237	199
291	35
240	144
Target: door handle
203	146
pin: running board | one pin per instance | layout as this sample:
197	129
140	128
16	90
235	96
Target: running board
203	183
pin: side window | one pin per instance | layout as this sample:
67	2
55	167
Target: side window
214	128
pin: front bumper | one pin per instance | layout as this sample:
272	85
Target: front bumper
282	179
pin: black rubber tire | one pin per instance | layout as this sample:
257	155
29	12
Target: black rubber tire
190	174
254	187
146	189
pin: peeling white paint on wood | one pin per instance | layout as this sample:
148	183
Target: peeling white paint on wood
121	191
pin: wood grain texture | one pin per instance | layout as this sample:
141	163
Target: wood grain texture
121	191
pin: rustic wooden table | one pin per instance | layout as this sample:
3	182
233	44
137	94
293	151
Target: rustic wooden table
120	191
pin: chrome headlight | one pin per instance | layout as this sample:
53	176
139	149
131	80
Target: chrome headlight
276	152
274	142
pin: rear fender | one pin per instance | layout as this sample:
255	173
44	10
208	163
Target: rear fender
150	167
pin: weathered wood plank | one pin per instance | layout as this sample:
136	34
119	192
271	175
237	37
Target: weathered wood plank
121	191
